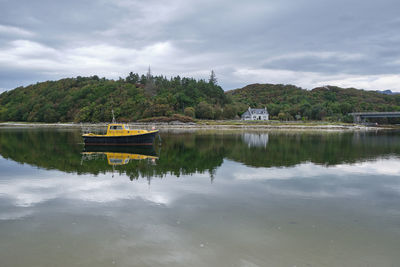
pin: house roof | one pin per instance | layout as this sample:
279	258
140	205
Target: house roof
246	113
258	111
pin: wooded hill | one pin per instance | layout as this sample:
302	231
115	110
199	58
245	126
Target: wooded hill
91	99
288	102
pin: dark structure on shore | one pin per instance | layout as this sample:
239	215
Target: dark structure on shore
360	117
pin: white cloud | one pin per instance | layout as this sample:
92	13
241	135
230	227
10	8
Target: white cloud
101	59
11	30
26	48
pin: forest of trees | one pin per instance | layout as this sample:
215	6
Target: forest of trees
331	103
136	97
91	99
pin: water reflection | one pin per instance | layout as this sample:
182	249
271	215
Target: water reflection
186	153
255	139
278	199
116	159
117	155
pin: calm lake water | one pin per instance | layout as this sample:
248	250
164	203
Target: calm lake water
202	198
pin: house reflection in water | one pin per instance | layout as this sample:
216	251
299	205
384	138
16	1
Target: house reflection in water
255	139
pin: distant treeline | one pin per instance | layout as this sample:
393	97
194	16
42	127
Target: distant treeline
91	99
288	102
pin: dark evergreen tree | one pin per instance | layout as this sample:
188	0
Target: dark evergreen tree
213	78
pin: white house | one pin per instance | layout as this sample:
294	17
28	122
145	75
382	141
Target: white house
256	114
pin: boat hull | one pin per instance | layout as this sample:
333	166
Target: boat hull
127	140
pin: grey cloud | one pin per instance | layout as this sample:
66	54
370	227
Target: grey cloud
231	37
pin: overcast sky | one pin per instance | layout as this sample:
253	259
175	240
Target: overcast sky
348	43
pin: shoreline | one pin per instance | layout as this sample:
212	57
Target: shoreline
213	126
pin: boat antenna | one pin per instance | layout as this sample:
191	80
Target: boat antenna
113	119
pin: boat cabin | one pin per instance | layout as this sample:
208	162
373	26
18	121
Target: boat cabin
122	129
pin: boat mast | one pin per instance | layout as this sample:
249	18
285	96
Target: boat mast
113	119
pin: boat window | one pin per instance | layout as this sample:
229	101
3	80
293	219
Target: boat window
116	127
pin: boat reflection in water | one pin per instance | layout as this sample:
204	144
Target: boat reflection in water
117	155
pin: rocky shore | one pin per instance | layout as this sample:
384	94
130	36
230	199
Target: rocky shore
213	125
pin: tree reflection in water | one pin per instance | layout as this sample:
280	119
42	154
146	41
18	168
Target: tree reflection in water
189	152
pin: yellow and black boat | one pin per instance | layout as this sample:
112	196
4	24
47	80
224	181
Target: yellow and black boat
120	134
